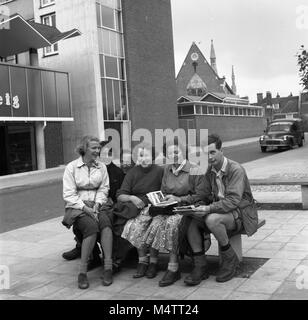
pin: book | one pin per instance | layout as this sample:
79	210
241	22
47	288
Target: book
184	209
157	199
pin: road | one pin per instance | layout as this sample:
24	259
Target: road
20	208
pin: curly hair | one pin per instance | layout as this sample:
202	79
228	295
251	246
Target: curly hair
84	144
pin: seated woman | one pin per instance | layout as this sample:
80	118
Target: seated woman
182	182
144	177
85	189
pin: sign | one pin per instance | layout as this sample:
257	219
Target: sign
6	100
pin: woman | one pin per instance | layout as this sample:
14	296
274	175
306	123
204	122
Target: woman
182	182
143	178
85	190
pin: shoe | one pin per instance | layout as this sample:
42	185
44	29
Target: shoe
169	278
94	263
107	277
141	270
83	282
196	276
230	262
72	254
116	267
152	271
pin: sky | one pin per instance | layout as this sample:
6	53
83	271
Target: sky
259	37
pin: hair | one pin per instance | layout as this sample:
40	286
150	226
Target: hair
84	144
143	145
177	143
213	138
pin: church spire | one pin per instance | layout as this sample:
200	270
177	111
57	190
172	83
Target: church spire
213	57
233	81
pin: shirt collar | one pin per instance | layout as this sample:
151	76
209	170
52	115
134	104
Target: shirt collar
80	163
223	168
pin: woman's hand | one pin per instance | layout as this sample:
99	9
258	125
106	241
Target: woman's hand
96	207
137	202
90	212
201	211
171	197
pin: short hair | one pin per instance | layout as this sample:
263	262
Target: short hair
143	145
84	144
213	138
177	143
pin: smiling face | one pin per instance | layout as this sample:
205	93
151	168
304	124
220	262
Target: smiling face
215	156
175	154
144	157
92	152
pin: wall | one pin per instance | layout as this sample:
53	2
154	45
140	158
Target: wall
150	64
23	7
231	128
53	144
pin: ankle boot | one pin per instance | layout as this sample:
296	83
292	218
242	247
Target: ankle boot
230	262
199	271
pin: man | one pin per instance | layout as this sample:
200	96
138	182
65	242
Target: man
231	208
116	176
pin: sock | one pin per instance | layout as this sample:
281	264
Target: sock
108	264
144	259
153	260
83	268
226	247
173	266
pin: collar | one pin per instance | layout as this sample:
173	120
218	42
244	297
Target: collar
80	163
223	168
184	166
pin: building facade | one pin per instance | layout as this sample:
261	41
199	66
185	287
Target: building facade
120	70
206	101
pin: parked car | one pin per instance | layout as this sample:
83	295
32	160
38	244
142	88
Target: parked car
283	133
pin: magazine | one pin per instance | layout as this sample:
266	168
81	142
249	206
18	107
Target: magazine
157	199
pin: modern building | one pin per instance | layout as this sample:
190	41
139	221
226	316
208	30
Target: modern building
206	101
120	68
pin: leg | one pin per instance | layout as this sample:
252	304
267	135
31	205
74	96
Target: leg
106	243
143	262
152	269
194	236
218	224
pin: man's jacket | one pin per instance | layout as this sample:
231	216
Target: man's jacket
237	195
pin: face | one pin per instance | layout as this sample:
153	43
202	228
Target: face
215	156
93	150
175	154
144	157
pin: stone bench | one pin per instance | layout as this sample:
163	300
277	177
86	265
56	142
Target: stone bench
303	182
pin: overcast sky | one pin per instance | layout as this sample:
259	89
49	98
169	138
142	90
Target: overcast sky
259	37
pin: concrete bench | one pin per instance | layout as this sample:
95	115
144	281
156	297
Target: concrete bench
303	182
236	241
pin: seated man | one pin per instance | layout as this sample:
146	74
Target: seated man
231	208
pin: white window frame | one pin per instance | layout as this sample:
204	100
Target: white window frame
49	3
53	51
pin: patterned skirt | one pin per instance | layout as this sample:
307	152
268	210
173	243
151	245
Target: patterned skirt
135	229
163	232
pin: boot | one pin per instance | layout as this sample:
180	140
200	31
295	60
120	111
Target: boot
72	254
230	262
199	271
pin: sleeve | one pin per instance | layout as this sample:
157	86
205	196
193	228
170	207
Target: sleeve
102	191
164	179
196	181
233	194
70	194
126	187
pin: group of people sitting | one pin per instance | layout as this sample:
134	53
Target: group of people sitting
108	205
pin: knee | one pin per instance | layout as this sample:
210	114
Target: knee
213	220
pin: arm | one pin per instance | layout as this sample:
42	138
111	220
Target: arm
70	194
102	191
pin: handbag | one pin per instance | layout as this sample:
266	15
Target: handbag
156	211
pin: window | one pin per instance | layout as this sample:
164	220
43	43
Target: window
50	20
210	110
221	110
45	3
231	111
204	109
226	110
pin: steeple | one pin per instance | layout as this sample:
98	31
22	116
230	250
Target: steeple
213	57
233	81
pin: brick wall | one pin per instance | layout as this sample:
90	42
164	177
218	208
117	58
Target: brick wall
150	64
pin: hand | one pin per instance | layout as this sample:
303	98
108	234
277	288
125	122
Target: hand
137	202
201	211
90	212
171	197
96	207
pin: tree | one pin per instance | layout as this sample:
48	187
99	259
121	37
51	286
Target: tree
302	61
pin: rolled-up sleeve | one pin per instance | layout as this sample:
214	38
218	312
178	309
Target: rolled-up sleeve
102	191
70	194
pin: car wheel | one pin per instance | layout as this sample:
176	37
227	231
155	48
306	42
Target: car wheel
263	149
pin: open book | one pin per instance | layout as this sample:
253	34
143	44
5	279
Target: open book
158	200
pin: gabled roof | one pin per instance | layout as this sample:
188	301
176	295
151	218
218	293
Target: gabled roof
21	35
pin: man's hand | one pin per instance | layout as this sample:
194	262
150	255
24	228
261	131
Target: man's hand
171	197
137	202
201	211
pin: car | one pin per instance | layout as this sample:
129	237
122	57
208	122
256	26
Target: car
283	133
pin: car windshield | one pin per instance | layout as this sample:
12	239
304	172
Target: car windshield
279	127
